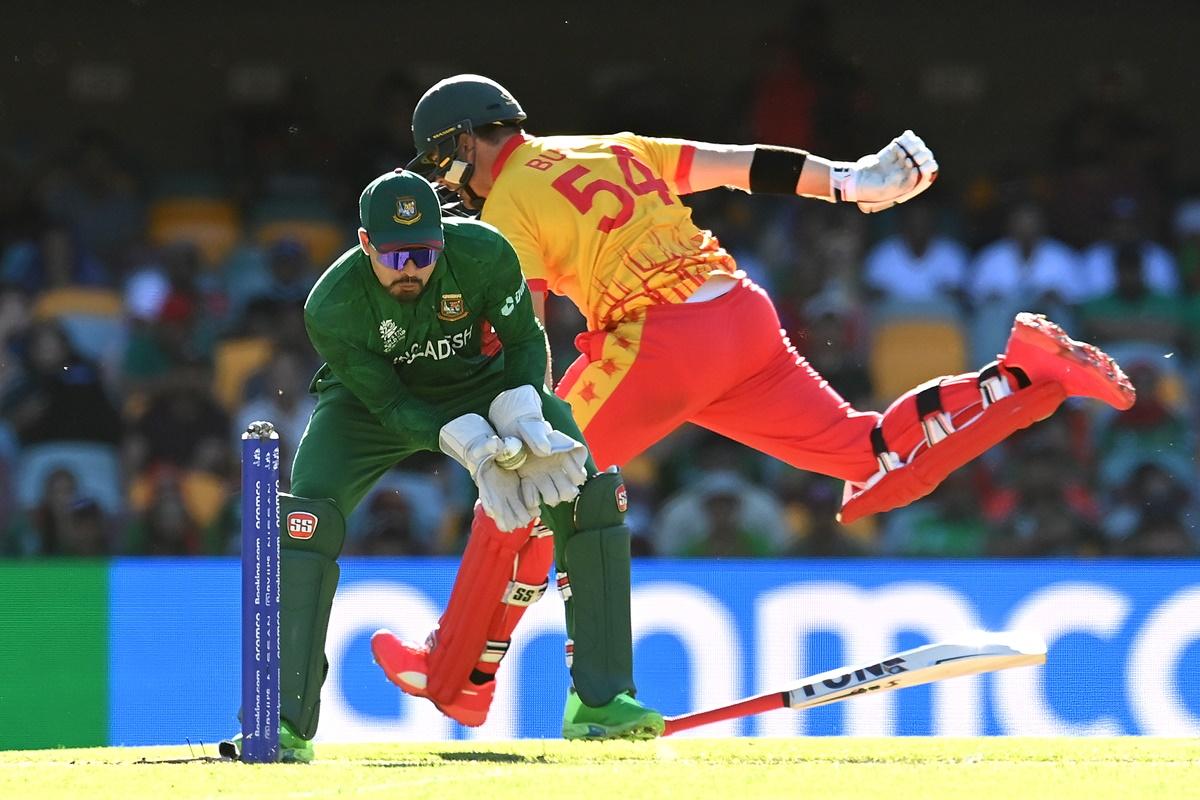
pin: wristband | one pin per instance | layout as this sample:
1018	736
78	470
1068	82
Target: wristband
843	183
775	170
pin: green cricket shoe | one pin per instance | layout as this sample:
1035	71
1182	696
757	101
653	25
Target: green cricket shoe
623	717
292	748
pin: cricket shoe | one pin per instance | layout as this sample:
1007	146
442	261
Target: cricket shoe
293	749
407	666
623	717
1045	352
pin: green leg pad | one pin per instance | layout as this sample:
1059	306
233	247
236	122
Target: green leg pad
307	584
598	566
308	578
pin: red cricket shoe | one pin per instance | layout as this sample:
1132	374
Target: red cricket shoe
1045	351
407	666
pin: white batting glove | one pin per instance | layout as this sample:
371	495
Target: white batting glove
518	413
471	441
555	478
896	174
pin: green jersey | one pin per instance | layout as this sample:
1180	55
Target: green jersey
417	365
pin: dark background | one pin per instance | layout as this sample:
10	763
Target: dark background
109	110
984	82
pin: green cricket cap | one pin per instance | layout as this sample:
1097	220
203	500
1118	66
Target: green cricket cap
400	209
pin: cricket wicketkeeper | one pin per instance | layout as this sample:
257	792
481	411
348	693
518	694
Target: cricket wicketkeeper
405	324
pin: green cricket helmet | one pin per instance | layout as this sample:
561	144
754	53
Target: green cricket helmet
459	104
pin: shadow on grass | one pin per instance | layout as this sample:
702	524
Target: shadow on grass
495	758
470	756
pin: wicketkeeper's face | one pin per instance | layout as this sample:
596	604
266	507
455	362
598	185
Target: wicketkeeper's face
403	273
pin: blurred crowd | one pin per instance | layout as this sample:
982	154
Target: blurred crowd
145	319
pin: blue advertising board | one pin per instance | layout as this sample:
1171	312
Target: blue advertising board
1121	637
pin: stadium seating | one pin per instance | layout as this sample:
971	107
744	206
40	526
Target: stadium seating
310	224
204	495
911	343
211	224
92	318
234	361
96	467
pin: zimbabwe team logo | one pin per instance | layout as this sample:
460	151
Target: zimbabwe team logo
301	525
406	211
452	307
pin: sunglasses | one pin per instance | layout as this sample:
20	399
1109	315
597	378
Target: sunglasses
420	256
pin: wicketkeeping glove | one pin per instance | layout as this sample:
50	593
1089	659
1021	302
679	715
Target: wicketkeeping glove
518	413
896	174
555	478
472	442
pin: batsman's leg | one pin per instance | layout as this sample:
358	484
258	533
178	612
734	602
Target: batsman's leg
942	424
502	573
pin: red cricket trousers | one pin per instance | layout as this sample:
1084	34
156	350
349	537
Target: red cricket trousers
724	364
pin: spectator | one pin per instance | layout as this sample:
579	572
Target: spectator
811	503
1127	230
176	316
389	528
834	344
183	427
948	523
722	515
916	265
164	527
281	276
1153	430
1149	520
15	321
1027	267
62	524
279	394
809	95
388	140
1133	310
59	396
51	257
1187	235
95	193
1047	508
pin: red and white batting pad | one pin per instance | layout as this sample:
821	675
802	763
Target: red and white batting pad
930	452
501	574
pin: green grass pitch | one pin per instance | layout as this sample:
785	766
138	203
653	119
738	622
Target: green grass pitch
824	768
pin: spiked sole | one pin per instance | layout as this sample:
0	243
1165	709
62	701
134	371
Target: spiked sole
648	726
1105	379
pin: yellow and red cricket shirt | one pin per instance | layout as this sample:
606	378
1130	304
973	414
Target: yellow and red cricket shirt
598	220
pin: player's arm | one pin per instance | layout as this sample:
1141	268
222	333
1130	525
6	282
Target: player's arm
374	381
510	310
555	465
897	173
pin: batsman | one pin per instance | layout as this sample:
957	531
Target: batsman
431	343
677	333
